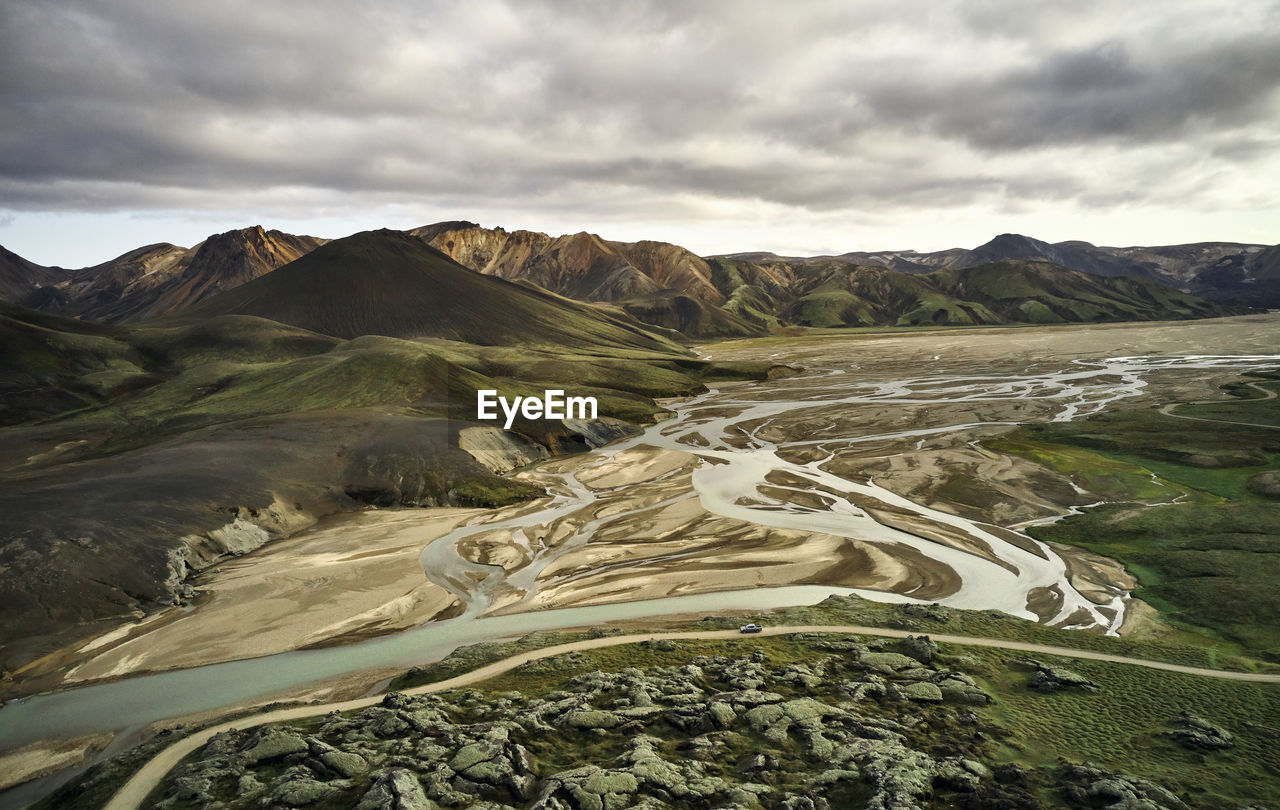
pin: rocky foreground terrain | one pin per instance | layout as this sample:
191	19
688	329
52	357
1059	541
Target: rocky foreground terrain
822	722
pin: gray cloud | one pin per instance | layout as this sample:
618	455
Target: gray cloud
635	108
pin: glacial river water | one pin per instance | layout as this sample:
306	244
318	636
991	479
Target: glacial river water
724	429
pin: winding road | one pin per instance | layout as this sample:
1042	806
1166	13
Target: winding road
135	791
1267	393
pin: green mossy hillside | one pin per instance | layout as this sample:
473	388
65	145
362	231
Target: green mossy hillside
1207	555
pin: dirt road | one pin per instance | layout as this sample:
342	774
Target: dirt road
135	791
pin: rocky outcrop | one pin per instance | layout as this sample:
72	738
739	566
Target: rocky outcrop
1046	678
505	450
1266	484
845	723
396	789
500	450
919	648
1199	734
1090	786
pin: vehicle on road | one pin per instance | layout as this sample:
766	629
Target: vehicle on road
750	628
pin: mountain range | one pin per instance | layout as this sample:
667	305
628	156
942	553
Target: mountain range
156	279
1010	279
1215	270
390	283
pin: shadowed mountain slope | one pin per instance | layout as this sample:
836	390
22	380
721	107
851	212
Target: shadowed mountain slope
20	278
1250	278
390	283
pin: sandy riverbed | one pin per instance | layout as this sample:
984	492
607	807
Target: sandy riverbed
649	534
354	574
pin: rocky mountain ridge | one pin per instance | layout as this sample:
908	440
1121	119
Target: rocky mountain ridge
161	279
666	286
749	293
1230	272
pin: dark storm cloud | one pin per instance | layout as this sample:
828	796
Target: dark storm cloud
813	105
1096	93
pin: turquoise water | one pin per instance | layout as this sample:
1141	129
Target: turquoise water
138	701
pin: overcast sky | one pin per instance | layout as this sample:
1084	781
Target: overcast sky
799	127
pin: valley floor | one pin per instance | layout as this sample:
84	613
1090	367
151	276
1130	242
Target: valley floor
865	472
868	473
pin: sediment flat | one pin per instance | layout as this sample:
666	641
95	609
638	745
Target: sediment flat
354	574
650	534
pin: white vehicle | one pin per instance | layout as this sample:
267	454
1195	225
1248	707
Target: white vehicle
750	628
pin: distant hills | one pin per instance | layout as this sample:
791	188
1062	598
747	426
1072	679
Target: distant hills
1223	272
1024	281
162	279
1010	279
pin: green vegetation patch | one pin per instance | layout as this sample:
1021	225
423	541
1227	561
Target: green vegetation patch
1115	478
1214	457
1124	725
1208	561
1207	565
940	309
1252	406
833	308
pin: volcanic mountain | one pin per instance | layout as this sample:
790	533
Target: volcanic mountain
580	265
656	282
20	278
389	283
162	279
663	285
747	293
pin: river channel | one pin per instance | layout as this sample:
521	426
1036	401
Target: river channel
746	468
